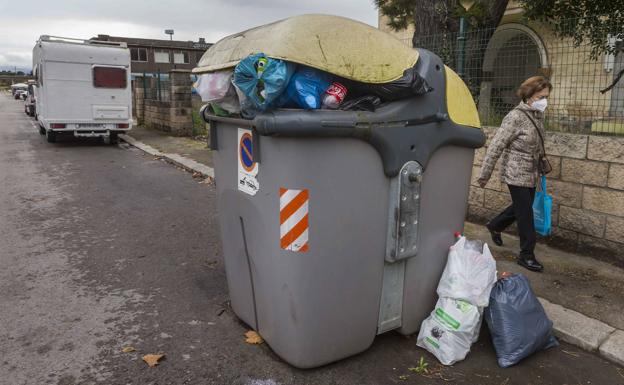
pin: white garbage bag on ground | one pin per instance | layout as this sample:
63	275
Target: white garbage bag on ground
464	291
450	330
469	273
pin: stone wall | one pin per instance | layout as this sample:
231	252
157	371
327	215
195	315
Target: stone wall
587	185
173	115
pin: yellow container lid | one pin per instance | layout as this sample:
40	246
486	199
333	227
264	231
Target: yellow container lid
334	44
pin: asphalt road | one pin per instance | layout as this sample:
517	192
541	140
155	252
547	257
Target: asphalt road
103	247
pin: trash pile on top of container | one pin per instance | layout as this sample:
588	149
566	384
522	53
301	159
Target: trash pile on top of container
262	80
260	83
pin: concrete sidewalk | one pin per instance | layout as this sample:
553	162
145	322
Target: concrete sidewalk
187	147
583	296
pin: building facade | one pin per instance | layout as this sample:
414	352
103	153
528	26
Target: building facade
152	56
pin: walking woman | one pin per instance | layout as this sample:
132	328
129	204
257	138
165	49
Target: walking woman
520	142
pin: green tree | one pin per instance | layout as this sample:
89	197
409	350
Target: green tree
599	23
433	17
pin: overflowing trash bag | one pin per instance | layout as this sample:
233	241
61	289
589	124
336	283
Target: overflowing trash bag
463	291
305	89
517	321
363	103
217	89
213	86
410	84
262	79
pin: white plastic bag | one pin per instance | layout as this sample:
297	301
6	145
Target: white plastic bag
217	88
450	330
469	274
213	87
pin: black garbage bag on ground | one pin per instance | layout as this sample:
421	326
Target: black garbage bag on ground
517	321
410	84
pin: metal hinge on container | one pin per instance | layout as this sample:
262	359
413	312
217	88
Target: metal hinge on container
401	242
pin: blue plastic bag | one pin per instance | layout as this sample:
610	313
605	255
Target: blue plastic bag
262	79
542	207
517	321
305	89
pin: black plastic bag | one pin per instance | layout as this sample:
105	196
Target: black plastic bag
517	321
410	84
363	103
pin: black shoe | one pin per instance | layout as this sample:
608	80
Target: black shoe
530	263
496	236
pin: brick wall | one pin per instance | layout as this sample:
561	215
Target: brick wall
587	185
174	115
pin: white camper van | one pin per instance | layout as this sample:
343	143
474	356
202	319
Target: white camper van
83	87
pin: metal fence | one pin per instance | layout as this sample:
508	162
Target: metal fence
494	62
156	87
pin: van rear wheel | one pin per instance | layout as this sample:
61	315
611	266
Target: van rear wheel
51	136
113	138
42	130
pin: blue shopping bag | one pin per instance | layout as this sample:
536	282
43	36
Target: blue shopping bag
542	207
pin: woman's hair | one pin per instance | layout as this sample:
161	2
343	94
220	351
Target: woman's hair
532	85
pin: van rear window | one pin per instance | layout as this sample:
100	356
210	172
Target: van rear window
109	77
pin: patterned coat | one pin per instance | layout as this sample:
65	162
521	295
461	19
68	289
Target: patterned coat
519	144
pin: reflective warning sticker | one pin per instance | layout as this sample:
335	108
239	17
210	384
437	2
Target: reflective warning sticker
294	220
247	168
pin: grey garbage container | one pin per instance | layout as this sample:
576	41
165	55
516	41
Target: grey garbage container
336	225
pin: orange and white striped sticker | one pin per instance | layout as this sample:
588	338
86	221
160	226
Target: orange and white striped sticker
294	220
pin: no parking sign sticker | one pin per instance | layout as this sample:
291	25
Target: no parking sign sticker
247	168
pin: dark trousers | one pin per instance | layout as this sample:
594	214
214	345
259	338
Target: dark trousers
521	211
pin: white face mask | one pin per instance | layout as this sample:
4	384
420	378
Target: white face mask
540	105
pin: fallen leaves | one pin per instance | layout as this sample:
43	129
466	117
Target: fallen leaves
152	359
253	338
128	349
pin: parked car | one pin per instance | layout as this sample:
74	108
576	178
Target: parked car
31	101
20	94
83	87
17	87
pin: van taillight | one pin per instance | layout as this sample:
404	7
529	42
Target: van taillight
57	125
123	125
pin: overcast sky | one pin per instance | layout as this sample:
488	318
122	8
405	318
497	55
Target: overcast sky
22	22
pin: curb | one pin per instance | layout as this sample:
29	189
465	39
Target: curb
587	333
570	326
178	160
